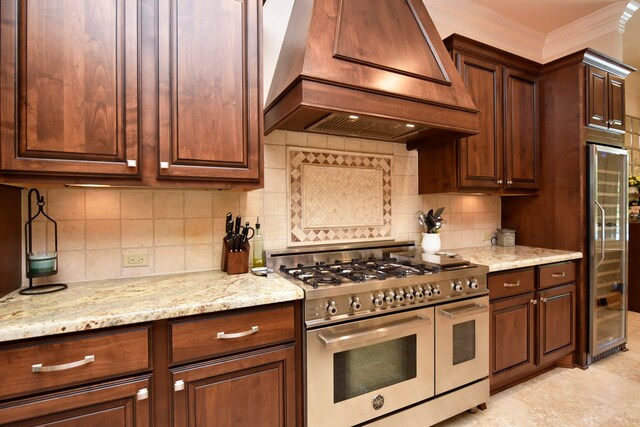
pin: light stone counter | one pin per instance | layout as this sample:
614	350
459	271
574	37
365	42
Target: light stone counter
499	258
101	304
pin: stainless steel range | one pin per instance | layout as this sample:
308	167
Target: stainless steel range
391	335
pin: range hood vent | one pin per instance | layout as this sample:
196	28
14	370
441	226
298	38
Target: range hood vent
364	127
384	63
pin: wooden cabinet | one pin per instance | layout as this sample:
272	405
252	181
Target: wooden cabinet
533	329
73	87
210	99
512	337
84	361
634	267
253	384
556	322
116	404
257	389
234	368
69	85
504	156
605	100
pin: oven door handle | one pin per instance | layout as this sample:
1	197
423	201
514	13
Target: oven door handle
366	335
464	311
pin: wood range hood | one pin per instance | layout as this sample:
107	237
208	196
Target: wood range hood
375	70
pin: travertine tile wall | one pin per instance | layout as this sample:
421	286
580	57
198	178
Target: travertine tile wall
182	230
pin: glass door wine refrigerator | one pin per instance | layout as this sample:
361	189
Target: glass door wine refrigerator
608	250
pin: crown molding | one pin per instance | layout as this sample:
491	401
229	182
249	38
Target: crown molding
578	34
485	25
631	8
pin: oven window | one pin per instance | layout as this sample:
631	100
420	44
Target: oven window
464	342
373	367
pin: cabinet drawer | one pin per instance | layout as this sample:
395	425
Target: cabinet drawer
512	282
44	365
228	333
556	274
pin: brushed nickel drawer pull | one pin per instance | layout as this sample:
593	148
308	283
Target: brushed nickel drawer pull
563	274
39	368
512	285
178	385
223	336
142	394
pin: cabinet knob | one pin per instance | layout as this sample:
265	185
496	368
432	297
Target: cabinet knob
178	385
509	182
533	301
499	181
131	163
142	394
544	299
164	165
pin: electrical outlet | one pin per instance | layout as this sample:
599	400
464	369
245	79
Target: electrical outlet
135	260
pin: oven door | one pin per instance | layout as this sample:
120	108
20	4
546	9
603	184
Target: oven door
361	370
462	343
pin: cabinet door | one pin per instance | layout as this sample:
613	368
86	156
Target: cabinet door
521	151
69	87
255	390
210	99
597	103
556	322
616	103
512	338
480	156
118	404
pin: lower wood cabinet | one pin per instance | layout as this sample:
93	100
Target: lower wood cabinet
531	331
233	368
116	404
257	389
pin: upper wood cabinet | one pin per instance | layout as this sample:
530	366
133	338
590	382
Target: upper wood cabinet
210	101
84	82
69	85
605	100
504	156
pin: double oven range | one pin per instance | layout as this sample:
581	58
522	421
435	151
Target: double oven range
392	336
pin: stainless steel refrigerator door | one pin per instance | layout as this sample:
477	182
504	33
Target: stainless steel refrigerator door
608	248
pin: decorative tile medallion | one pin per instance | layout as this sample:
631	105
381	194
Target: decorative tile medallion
337	197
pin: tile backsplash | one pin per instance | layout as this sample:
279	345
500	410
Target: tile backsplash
182	230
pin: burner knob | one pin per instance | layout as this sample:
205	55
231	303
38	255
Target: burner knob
457	286
410	296
419	293
474	283
390	297
378	300
400	296
355	304
436	291
331	308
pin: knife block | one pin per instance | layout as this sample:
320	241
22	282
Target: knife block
235	262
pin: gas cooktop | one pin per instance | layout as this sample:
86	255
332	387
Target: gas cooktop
358	282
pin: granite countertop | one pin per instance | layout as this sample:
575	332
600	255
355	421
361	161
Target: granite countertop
499	258
105	303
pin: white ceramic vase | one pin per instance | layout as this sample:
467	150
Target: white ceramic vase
430	242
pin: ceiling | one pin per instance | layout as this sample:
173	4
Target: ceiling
545	15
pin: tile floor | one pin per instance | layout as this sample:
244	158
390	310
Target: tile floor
606	394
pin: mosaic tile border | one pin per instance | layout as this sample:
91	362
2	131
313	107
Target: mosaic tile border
298	234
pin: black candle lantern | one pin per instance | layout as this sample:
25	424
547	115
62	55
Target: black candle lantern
40	264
